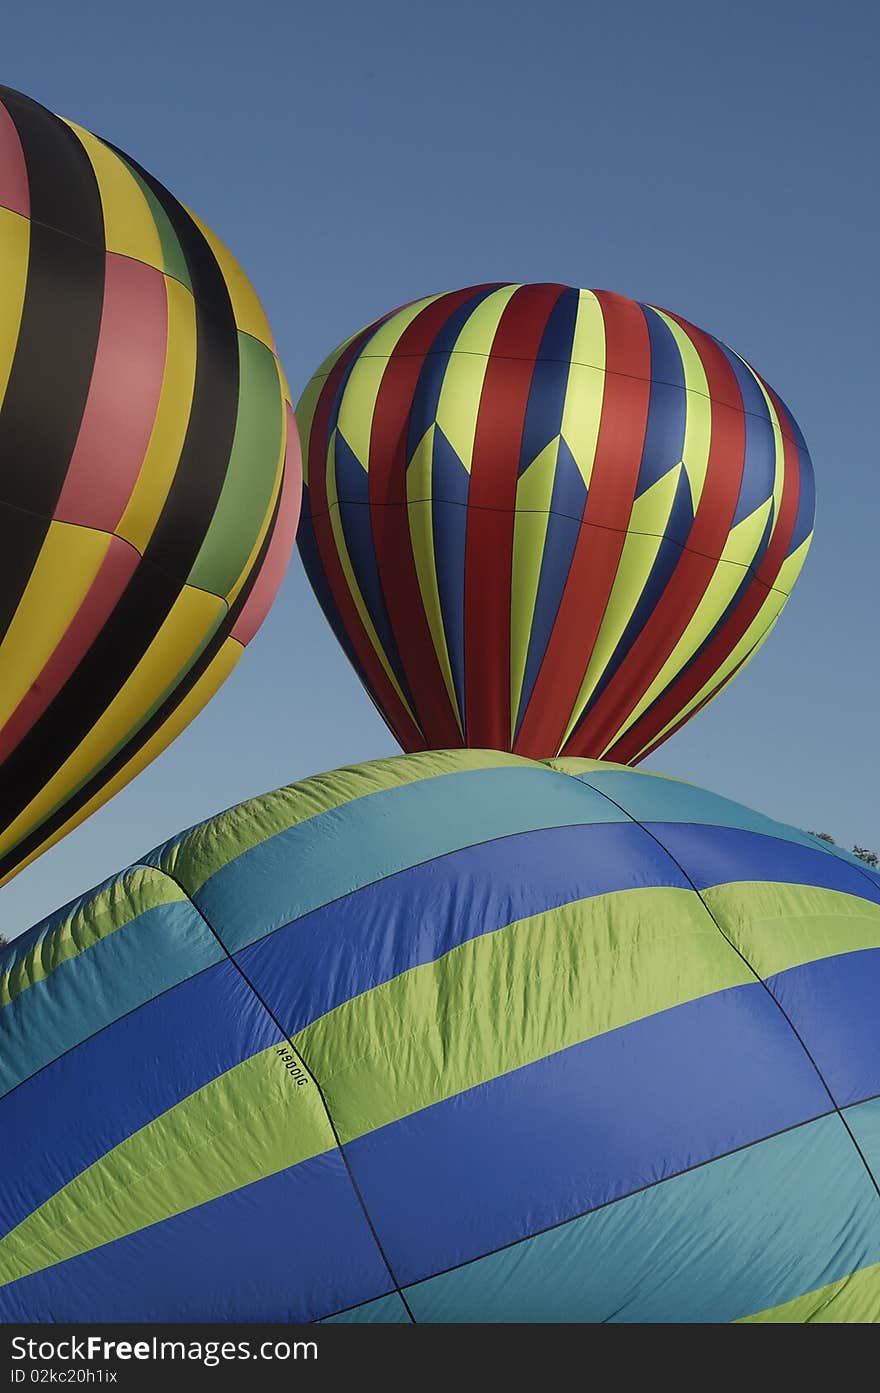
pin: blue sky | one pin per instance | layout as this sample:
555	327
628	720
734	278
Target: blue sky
717	159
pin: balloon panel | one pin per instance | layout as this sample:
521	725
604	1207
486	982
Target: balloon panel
547	520
451	1037
149	471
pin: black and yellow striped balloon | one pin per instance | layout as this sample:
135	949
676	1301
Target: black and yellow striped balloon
149	472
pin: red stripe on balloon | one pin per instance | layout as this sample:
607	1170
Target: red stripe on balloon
722	645
710	696
389	519
695	567
492	513
15	192
277	557
606	516
123	396
393	711
100	600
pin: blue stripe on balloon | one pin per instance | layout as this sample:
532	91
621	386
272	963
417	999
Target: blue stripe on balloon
450	483
292	1247
737	1236
759	462
308	550
667	405
666	363
94	1096
356	517
549	384
308	967
806	512
569	496
653	798
581	1128
833	1005
383	833
557	339
158	949
719	855
567	504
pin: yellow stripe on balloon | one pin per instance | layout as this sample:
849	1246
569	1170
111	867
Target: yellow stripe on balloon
742	654
420	511
172	418
355	419
308	402
723	585
698	418
582	409
792	567
129	226
588	343
193	616
651	511
458	406
756	634
69	560
851	1300
534	491
249	313
639	553
305	410
210	682
14	254
350	578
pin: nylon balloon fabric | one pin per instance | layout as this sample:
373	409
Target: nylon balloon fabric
548	520
451	1037
150	477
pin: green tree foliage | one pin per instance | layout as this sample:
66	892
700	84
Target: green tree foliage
870	858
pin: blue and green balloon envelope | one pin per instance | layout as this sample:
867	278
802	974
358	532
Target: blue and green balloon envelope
451	1037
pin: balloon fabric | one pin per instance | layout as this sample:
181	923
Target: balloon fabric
451	1037
548	520
150	477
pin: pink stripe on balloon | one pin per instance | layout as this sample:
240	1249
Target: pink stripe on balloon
259	602
15	192
123	396
101	598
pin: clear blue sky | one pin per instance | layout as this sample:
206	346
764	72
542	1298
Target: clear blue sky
715	158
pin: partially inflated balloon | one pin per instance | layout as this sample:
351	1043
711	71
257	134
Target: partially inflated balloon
149	472
543	519
451	1037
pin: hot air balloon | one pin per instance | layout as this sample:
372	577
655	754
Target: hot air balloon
451	1037
548	520
149	472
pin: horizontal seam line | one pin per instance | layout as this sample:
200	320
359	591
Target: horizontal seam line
582	522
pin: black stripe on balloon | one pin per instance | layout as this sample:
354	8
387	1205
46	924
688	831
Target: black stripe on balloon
35	839
172	549
45	397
